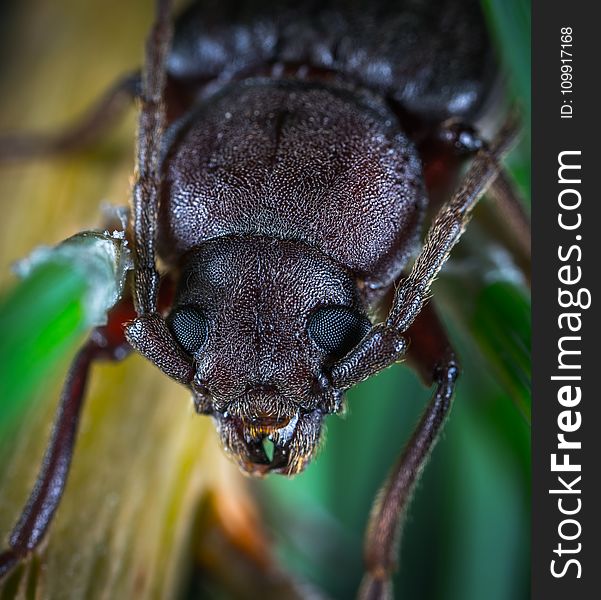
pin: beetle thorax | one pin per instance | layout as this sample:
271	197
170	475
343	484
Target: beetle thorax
324	165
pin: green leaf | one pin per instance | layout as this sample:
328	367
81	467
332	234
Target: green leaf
65	290
501	322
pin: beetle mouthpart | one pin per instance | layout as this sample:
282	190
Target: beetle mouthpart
266	425
262	446
266	456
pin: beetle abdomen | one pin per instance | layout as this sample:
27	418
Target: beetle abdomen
295	160
431	56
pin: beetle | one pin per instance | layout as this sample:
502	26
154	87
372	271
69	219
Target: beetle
281	180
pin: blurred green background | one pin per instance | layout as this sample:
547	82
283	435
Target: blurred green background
467	534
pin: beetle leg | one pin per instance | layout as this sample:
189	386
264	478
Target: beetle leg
447	228
81	134
104	343
444	151
384	344
433	357
146	188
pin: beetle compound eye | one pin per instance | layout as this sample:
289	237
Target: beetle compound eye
190	328
337	329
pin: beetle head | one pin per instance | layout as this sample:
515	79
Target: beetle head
261	321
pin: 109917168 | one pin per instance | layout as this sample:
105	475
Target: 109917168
288	155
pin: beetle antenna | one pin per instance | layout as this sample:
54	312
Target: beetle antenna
147	185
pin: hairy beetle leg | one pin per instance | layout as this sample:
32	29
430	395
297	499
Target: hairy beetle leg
431	354
448	227
49	486
104	343
444	150
505	218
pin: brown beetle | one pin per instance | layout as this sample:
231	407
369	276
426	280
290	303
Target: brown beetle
280	181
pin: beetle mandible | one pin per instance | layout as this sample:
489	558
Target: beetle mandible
280	178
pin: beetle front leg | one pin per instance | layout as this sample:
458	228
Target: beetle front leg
431	354
383	345
448	227
48	489
434	355
105	343
445	150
